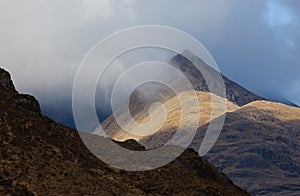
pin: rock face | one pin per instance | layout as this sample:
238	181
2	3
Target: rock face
5	80
41	157
9	93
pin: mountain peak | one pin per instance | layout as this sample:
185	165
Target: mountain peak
194	58
10	94
187	62
5	80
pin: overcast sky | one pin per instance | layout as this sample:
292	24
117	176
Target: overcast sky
254	42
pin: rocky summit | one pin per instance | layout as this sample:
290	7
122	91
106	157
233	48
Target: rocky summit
40	157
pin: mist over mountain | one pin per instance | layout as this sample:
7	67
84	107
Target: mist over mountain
60	108
255	43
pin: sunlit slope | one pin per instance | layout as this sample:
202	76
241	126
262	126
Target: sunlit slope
168	116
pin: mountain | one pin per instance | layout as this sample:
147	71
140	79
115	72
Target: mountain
259	148
40	157
234	92
259	144
139	104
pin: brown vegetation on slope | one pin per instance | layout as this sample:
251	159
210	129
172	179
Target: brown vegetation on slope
259	148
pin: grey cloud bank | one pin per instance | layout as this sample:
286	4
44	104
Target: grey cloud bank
254	42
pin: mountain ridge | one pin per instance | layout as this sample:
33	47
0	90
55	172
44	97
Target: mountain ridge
234	92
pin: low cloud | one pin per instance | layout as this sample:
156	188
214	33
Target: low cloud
254	42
